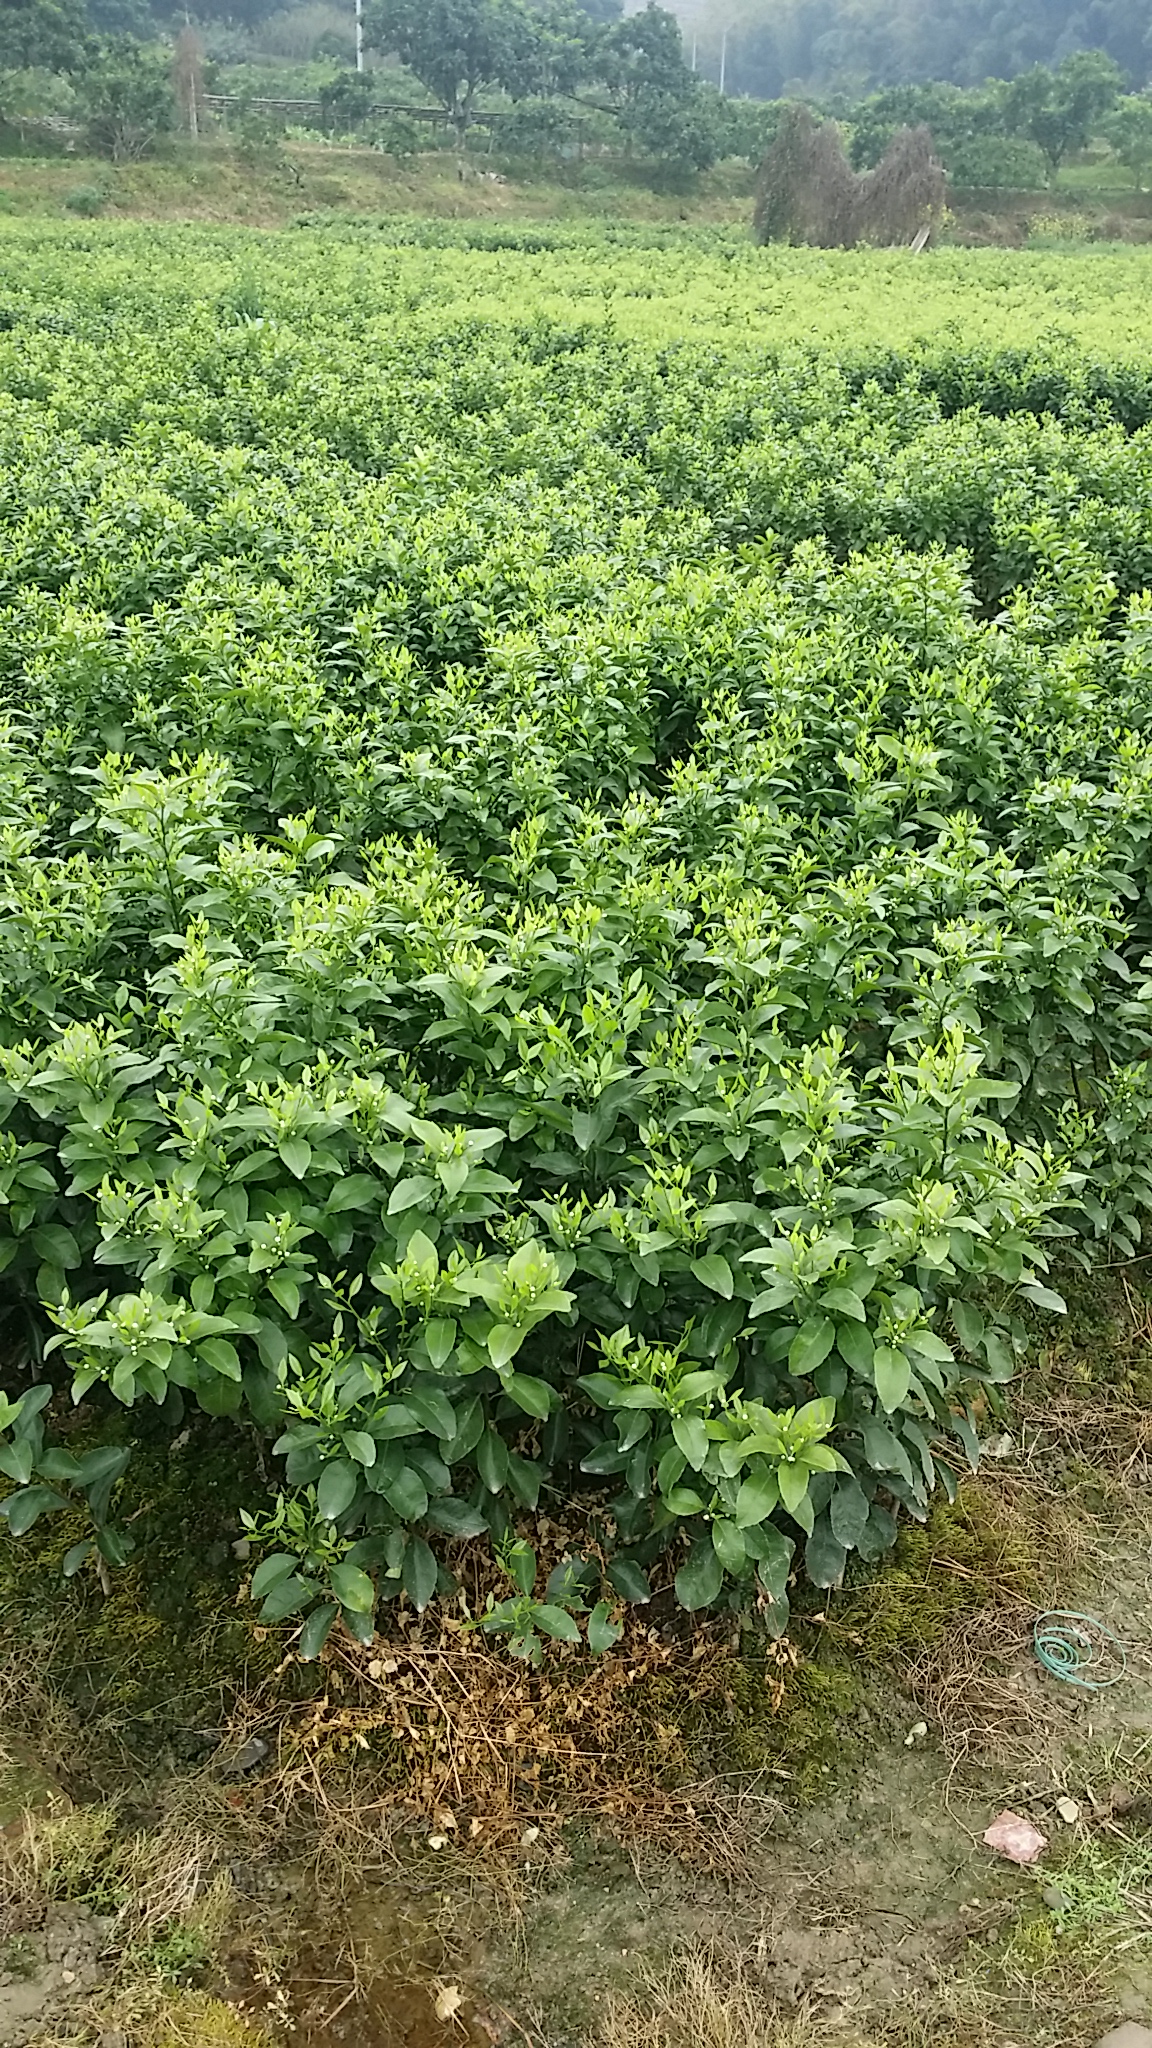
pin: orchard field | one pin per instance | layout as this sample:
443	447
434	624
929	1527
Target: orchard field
574	824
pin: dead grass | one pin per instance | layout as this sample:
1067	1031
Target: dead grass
272	186
146	1881
710	1998
163	1905
1024	1994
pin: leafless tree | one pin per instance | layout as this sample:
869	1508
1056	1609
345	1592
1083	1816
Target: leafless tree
808	192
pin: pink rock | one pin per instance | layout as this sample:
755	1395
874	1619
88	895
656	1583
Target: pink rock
1016	1838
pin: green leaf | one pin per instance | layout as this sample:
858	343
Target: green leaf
55	1244
714	1272
352	1587
440	1338
419	1572
272	1345
968	1323
17	1460
355	1191
115	1545
683	1500
758	1498
1000	1363
555	1622
220	1396
361	1446
423	1254
670	1468
848	1511
520	1559
728	1543
842	1301
504	1341
106	1462
336	1489
419	1189
407	1495
77	1557
878	1536
288	1596
270	1571
433	1411
692	1438
719	1325
524	1479
773	1553
793	1483
221	1356
629	1581
284	1289
20	1510
698	1582
884	1451
584	1128
927	1344
1045	1297
316	1631
296	1154
814	1419
811	1345
893	1376
456	1517
361	1627
492	1460
824	1557
603	1632
529	1394
855	1344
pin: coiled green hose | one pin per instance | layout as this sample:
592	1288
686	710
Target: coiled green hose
1071	1645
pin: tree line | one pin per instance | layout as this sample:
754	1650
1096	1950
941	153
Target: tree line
794	48
545	70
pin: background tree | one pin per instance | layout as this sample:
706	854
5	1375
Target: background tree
344	102
806	47
1058	110
455	47
1128	129
956	117
52	35
555	51
123	18
129	102
188	78
661	107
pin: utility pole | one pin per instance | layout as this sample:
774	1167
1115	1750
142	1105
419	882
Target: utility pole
693	52
359	35
723	57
